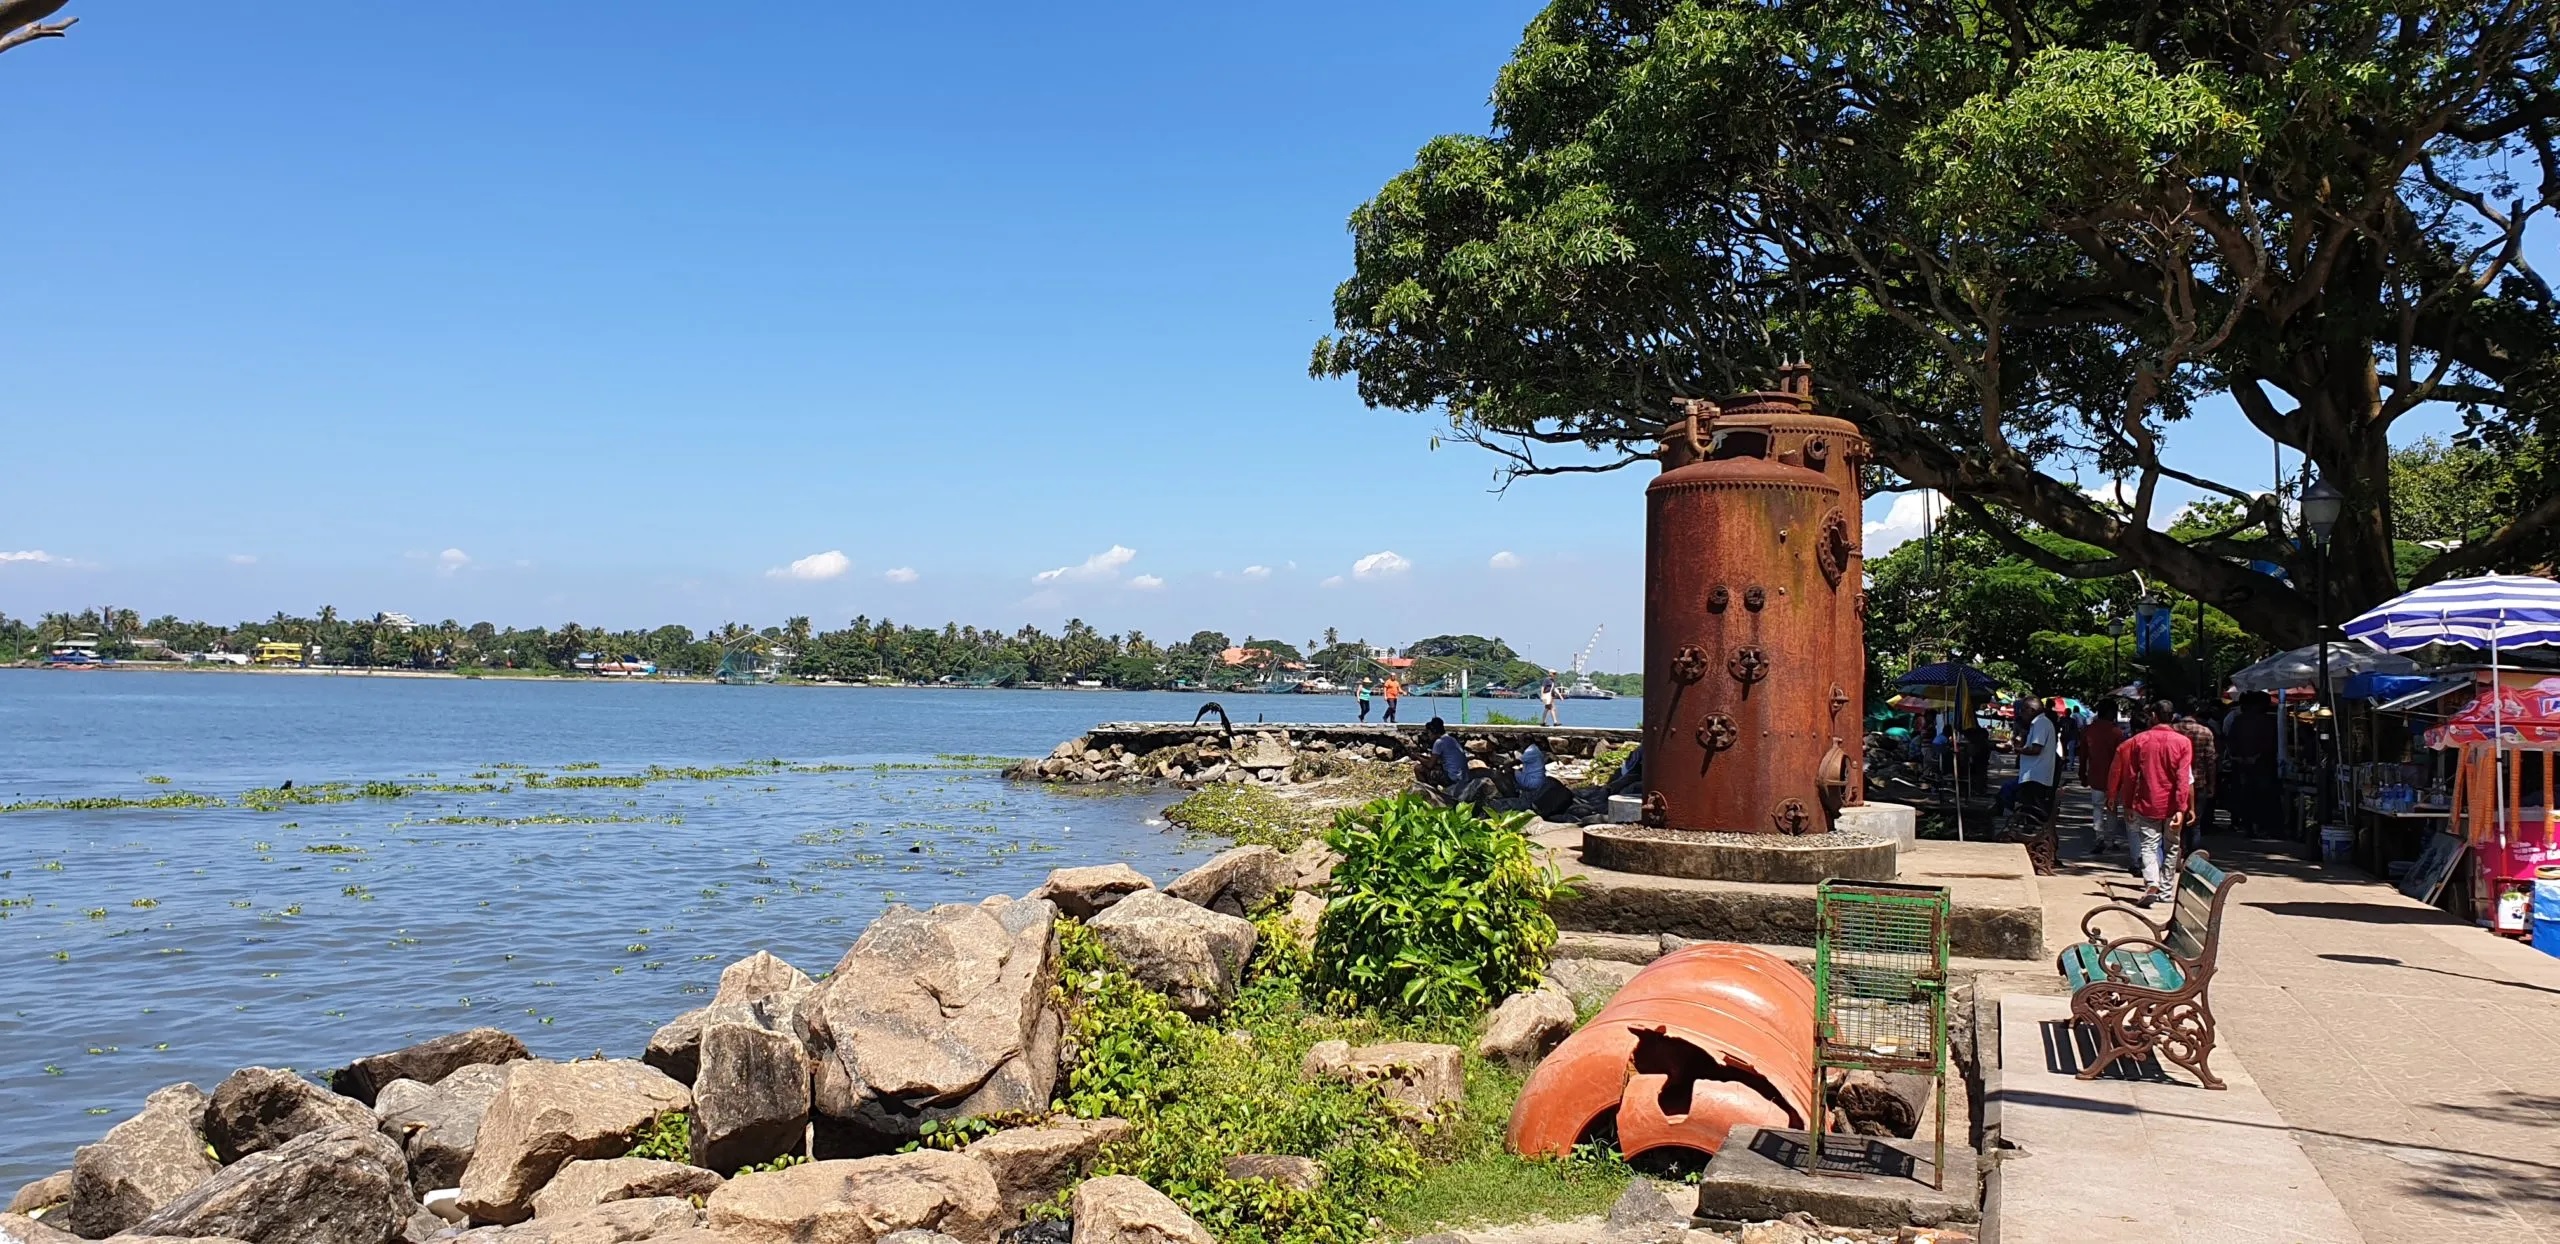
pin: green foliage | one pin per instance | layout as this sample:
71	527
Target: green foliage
1434	911
1248	816
2028	247
1197	1095
668	1139
1496	717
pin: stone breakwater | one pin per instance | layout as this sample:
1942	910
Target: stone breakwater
1181	754
795	1094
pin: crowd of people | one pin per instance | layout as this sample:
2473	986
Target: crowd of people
2156	772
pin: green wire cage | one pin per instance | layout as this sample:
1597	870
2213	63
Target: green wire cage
1880	992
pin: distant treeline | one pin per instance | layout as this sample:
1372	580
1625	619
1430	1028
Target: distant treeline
863	649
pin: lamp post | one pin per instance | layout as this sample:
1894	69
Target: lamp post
2321	505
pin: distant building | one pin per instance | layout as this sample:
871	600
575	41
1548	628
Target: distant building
280	654
400	622
1244	656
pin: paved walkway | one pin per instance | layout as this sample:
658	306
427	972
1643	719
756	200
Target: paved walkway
2414	1059
2142	1161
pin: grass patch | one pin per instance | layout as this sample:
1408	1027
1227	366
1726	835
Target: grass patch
1476	1181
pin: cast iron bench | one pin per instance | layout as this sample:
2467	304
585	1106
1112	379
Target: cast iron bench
2145	993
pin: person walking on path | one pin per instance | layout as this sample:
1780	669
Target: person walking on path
1547	701
1393	692
2200	736
1361	693
2148	785
2098	742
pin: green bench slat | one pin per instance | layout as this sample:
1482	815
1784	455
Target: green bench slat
2150	969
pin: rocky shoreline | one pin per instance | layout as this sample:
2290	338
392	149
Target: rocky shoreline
1191	756
799	1109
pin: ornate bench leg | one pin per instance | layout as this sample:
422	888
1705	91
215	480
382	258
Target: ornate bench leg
2184	1036
2104	1012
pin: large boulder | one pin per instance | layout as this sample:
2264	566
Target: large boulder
438	1125
581	1186
1417	1078
1190	954
1591	982
750	1097
1035	1164
760	976
1526	1026
857	1201
345	1185
1310	865
1264	751
256	1109
17	1228
140	1165
937	1015
1086	892
659	1220
1286	1170
1303	920
1237	881
1119	1209
426	1062
760	989
550	1114
44	1193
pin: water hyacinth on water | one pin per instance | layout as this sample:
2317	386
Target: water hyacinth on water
1434	910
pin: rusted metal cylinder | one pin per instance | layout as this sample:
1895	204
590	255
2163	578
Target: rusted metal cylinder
1747	564
1695	1045
1783	426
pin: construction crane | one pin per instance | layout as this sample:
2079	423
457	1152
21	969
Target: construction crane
1583	688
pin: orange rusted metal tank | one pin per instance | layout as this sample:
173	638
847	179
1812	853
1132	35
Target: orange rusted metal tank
1782	426
1702	1041
1747	565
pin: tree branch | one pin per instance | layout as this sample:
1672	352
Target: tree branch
34	30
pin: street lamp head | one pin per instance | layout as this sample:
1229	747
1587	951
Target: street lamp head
2321	505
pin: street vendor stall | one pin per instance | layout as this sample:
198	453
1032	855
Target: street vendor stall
2502	812
2495	826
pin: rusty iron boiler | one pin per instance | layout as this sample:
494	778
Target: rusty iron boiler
1782	425
1749	562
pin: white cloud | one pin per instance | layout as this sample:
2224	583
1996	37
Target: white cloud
1146	583
1331	581
814	567
1103	565
242	559
1381	565
1901	524
900	574
452	560
38	556
1505	560
1257	572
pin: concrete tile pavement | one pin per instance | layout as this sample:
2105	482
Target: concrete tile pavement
2141	1160
2415	1059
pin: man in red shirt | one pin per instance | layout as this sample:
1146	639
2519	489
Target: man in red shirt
2150	783
2098	742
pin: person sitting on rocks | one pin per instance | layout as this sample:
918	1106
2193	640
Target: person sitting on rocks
1445	774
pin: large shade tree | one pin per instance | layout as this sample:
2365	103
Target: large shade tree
2021	242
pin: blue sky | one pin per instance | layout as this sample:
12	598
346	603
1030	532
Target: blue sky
636	312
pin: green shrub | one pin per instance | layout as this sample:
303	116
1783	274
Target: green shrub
1198	1094
1604	765
1434	911
1496	717
669	1138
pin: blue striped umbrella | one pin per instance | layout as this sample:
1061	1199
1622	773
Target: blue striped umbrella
2492	612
